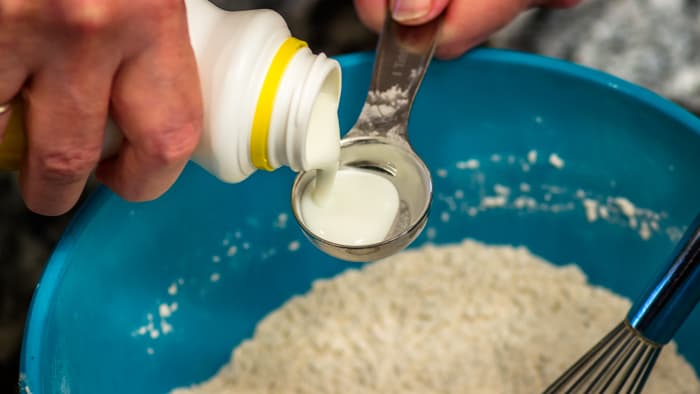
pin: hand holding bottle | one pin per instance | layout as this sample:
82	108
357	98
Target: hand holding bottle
73	61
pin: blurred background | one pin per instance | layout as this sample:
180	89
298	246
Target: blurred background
654	43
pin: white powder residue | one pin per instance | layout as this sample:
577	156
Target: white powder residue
556	161
215	259
465	318
674	234
246	245
554	189
471	164
591	207
626	206
493	201
441	172
150	351
445	217
232	250
532	156
23	385
449	200
501	190
293	246
281	221
214	277
550	198
525	202
164	310
628	209
645	231
383	107
165	327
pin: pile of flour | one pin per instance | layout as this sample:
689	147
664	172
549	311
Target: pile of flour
465	318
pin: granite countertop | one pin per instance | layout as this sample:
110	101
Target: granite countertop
655	43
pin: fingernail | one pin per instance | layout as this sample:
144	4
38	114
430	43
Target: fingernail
406	10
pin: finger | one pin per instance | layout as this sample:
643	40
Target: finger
12	77
156	102
67	106
467	23
409	12
416	12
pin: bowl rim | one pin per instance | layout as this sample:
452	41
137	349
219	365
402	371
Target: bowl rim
32	342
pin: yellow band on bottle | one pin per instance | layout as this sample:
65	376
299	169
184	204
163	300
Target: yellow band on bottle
13	144
263	110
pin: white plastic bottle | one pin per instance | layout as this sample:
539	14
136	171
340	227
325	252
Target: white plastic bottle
268	100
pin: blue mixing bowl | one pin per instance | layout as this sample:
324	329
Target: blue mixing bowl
556	145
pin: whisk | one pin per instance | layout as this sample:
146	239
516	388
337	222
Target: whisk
622	361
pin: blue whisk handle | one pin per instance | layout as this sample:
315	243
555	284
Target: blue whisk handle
668	302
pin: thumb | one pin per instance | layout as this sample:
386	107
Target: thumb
410	12
416	12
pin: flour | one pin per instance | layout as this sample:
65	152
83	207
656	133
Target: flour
23	385
468	164
385	113
532	156
556	161
464	318
530	197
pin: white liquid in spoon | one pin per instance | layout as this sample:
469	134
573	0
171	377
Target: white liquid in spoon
359	209
348	207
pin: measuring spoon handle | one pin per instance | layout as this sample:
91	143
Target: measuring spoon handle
402	58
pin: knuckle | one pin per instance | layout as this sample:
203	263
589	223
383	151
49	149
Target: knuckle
164	7
172	146
14	10
67	165
159	11
85	16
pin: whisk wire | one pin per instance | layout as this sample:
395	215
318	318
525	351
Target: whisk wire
630	372
644	368
566	379
619	363
614	365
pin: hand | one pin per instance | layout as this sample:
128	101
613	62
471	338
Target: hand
76	60
467	22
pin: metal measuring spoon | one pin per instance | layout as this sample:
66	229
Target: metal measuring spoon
379	140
